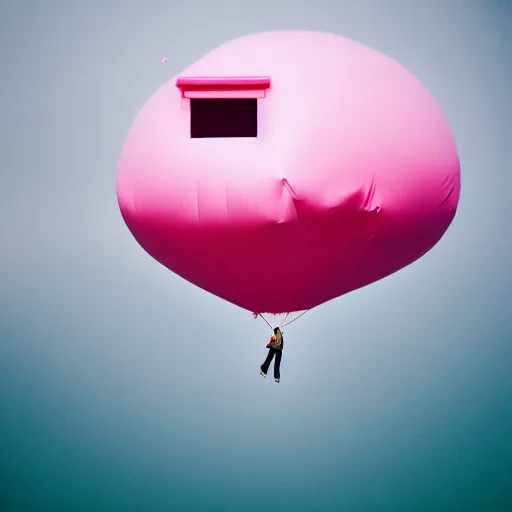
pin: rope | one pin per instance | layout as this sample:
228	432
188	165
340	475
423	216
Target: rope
284	322
296	318
260	315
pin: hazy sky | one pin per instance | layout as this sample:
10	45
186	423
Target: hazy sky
123	387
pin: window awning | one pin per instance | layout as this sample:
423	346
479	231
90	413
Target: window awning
223	87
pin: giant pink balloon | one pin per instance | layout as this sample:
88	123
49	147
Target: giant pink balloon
354	174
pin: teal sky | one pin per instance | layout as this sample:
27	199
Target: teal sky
125	388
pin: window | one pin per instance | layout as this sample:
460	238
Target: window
221	117
223	107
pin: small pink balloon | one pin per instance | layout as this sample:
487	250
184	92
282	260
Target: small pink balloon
165	59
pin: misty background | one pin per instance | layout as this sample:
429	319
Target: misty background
124	387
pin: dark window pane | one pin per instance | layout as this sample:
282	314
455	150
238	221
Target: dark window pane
223	118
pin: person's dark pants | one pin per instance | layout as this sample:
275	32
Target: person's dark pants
271	353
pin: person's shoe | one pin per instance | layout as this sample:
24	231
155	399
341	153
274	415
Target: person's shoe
264	375
277	380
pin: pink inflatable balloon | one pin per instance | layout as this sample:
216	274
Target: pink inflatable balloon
285	169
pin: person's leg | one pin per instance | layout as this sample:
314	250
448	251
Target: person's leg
268	360
277	364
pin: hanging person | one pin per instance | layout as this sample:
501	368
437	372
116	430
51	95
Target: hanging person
275	348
